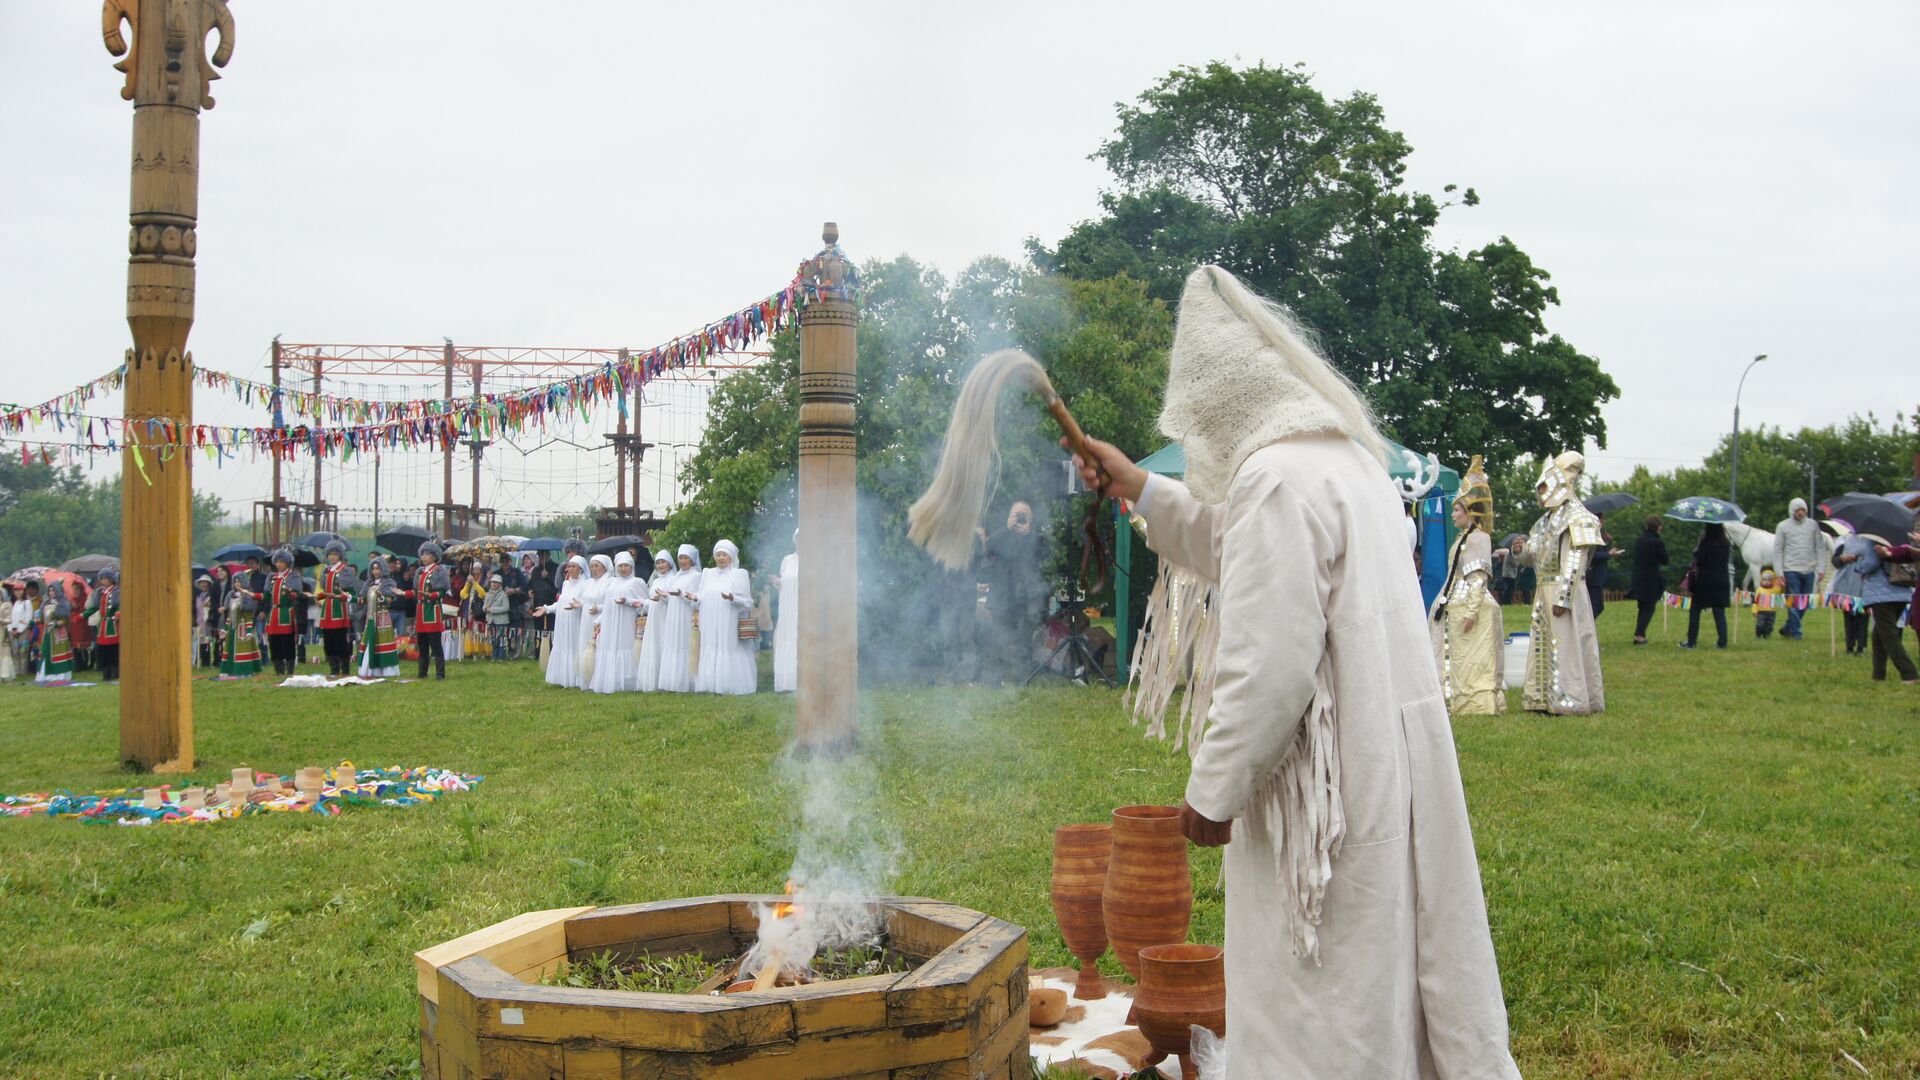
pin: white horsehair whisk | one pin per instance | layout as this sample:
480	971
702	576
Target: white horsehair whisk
944	519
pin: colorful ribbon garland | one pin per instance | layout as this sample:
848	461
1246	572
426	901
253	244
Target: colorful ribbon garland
361	424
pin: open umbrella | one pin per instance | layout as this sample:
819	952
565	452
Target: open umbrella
89	565
403	539
322	539
613	544
240	552
544	543
304	557
1608	501
26	572
1874	517
1706	510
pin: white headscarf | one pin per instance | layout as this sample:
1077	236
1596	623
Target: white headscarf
1242	375
690	552
658	574
579	562
733	553
602	562
625	559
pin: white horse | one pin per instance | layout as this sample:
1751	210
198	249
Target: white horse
1756	549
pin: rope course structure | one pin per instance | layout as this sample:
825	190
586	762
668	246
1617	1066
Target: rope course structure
475	372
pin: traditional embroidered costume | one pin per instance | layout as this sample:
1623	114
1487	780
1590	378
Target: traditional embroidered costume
56	640
379	645
1467	627
428	591
283	596
103	612
1563	651
334	588
240	656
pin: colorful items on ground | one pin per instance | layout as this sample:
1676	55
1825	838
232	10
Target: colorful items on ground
1776	601
329	792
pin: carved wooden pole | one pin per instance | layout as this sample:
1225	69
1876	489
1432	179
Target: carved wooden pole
168	75
829	608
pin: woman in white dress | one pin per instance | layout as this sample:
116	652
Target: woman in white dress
613	664
592	591
786	628
569	622
647	676
675	619
726	595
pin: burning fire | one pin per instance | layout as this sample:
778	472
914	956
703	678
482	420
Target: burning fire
787	909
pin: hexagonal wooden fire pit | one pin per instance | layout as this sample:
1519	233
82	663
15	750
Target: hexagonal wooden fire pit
961	1014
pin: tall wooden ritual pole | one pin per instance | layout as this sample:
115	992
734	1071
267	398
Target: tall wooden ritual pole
168	75
829	546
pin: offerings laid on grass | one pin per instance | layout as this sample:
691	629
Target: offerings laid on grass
311	790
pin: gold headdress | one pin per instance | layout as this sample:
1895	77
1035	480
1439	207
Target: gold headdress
1476	495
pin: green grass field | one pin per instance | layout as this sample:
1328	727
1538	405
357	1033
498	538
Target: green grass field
1719	877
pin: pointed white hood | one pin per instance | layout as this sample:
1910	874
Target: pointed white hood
1242	374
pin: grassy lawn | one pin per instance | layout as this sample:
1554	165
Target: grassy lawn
1719	877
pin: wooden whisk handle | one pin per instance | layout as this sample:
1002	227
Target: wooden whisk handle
1076	438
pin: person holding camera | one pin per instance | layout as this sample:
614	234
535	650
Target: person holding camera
1014	593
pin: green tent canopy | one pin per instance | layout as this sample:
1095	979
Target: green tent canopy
1171	460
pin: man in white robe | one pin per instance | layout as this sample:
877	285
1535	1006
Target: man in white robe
1357	943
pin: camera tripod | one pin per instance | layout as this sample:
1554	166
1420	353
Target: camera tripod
1079	651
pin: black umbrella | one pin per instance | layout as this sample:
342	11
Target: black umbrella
89	565
322	539
240	553
1874	517
196	570
616	543
303	557
1608	501
403	539
544	543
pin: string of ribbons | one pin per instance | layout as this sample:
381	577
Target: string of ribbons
344	426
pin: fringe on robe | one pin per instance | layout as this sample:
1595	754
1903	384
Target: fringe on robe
1298	804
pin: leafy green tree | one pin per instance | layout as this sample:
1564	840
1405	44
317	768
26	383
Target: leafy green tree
1104	343
1305	199
1861	454
52	515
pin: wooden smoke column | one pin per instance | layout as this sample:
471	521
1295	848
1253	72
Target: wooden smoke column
168	78
829	637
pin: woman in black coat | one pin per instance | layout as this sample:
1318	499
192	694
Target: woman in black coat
1649	580
1712	583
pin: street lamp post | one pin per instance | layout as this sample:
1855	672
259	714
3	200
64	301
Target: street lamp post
1733	496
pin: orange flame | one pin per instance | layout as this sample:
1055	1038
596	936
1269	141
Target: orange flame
785	909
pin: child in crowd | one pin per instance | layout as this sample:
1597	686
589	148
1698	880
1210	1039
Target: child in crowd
499	608
1771	586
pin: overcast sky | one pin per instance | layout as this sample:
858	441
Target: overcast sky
1704	181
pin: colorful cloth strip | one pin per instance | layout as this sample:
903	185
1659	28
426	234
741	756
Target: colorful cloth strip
392	787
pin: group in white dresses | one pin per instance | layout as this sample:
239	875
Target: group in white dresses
614	630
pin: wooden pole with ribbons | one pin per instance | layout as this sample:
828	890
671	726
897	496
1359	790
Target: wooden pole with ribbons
169	74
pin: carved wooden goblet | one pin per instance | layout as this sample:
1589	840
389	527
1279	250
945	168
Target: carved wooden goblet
1149	895
1180	986
1080	855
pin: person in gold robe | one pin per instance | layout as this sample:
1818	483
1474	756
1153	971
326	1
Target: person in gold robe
1563	651
1465	619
